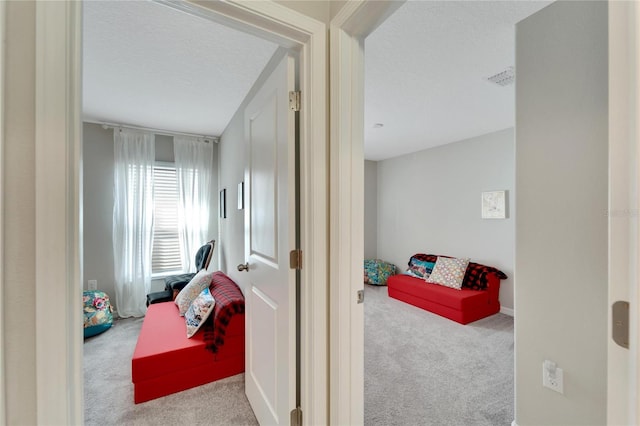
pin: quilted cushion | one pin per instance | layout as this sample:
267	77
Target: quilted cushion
449	272
199	282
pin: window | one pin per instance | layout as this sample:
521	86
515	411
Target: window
166	257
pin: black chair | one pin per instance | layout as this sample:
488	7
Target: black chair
174	283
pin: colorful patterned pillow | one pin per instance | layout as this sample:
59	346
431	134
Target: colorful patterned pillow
421	268
449	272
477	275
412	274
376	271
199	311
198	283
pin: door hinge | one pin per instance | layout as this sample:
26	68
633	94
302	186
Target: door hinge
294	101
296	417
295	259
360	296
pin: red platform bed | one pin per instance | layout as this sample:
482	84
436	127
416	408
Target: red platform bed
165	361
478	297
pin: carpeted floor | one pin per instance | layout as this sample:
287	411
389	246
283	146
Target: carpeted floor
422	369
108	392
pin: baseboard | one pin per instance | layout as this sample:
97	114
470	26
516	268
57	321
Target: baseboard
507	311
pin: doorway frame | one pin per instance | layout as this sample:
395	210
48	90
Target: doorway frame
59	196
347	31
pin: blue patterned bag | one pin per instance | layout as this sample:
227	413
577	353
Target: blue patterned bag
97	312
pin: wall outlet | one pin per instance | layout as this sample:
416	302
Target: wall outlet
552	376
92	284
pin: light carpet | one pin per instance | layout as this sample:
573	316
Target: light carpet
423	369
420	369
108	391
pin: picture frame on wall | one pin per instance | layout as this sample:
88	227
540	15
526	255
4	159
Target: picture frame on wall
222	204
241	196
494	205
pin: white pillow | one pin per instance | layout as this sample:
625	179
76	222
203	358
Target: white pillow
198	283
198	312
449	272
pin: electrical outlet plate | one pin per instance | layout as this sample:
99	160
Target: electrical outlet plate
92	284
552	377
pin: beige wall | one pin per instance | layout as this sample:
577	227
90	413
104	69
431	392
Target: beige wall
323	11
19	216
561	225
316	9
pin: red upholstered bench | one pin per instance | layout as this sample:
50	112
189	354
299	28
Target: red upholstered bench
478	298
165	361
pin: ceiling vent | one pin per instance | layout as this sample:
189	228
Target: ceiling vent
504	78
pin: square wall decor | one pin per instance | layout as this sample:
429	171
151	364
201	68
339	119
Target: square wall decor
494	205
241	196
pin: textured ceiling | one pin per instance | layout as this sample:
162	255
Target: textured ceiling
149	65
425	74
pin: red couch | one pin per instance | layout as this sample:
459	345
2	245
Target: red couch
478	298
165	361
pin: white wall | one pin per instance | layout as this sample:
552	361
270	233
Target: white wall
370	209
98	164
429	202
98	207
231	172
561	226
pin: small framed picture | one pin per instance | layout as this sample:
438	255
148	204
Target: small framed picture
494	205
241	196
223	204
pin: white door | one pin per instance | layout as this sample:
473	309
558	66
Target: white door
270	366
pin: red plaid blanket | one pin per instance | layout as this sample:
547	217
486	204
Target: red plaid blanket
476	276
229	301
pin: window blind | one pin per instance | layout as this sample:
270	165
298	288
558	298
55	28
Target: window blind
166	240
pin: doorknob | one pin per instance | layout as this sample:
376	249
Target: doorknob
243	267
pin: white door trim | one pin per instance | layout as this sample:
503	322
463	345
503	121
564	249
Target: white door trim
622	368
58	200
58	204
3	35
346	329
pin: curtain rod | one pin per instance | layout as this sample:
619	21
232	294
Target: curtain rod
163	132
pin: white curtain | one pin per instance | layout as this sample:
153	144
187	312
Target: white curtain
133	219
193	161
